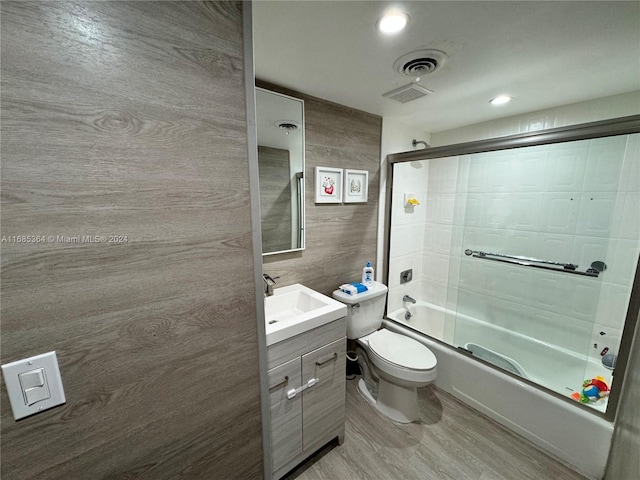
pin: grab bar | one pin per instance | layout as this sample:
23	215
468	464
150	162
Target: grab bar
535	263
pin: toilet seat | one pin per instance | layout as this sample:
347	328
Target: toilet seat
401	351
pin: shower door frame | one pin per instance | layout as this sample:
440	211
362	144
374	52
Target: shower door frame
583	131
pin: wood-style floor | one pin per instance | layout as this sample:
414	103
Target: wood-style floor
451	441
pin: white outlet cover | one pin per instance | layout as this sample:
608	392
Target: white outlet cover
11	371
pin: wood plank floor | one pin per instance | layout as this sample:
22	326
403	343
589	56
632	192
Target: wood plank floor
451	441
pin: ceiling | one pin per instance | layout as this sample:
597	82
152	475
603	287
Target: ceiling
272	110
543	54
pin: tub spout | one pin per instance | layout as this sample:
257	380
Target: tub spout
407	298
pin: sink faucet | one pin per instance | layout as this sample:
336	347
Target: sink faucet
270	282
407	298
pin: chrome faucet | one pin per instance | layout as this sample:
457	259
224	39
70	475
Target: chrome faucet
407	298
270	282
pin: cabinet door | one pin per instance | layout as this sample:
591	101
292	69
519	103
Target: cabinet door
286	415
323	404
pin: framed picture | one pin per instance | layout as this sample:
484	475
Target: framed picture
328	185
356	185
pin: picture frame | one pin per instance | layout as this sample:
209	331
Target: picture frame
356	186
329	185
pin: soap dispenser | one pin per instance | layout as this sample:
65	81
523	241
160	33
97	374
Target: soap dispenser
367	275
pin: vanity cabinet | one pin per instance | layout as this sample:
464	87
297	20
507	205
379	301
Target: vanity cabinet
306	394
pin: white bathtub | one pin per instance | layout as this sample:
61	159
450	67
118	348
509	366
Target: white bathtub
563	428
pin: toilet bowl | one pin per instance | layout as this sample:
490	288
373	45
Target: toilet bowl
392	364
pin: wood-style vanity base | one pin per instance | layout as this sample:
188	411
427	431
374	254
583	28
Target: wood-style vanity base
304	422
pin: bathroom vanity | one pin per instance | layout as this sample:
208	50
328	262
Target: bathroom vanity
306	393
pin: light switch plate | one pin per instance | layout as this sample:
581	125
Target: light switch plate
52	393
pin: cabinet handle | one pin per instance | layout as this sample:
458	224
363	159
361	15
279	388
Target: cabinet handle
284	382
335	355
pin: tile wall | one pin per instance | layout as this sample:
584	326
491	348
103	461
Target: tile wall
396	137
408	230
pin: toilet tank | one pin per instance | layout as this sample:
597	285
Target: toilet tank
364	310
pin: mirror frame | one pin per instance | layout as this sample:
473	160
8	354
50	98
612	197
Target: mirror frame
302	206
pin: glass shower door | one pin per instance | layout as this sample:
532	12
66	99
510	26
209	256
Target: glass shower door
543	239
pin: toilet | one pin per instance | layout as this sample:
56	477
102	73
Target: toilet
396	363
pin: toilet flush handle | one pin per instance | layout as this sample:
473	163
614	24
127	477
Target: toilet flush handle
355	305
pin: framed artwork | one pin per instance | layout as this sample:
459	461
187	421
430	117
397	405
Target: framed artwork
356	185
328	185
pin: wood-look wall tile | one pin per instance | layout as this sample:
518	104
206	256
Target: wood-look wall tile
340	238
128	118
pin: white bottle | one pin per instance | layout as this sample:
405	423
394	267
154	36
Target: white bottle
367	275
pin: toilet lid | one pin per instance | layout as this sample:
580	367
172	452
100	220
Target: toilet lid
403	351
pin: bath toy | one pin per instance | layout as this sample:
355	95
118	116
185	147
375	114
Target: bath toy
592	390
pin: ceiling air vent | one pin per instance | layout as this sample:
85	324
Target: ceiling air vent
407	93
420	62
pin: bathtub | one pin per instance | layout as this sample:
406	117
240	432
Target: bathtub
562	428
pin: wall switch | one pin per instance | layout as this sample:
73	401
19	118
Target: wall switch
33	384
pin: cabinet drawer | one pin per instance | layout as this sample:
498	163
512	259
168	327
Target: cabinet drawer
281	352
323	405
286	415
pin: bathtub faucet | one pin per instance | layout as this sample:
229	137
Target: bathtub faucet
407	298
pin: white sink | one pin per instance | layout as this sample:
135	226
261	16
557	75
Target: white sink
295	309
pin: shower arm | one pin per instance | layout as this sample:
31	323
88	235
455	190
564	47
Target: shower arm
416	142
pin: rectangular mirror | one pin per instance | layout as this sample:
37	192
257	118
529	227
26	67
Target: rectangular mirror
280	125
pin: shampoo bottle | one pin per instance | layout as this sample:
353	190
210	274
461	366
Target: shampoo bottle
367	275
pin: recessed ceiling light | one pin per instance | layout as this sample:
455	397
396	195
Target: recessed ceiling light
392	22
500	100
